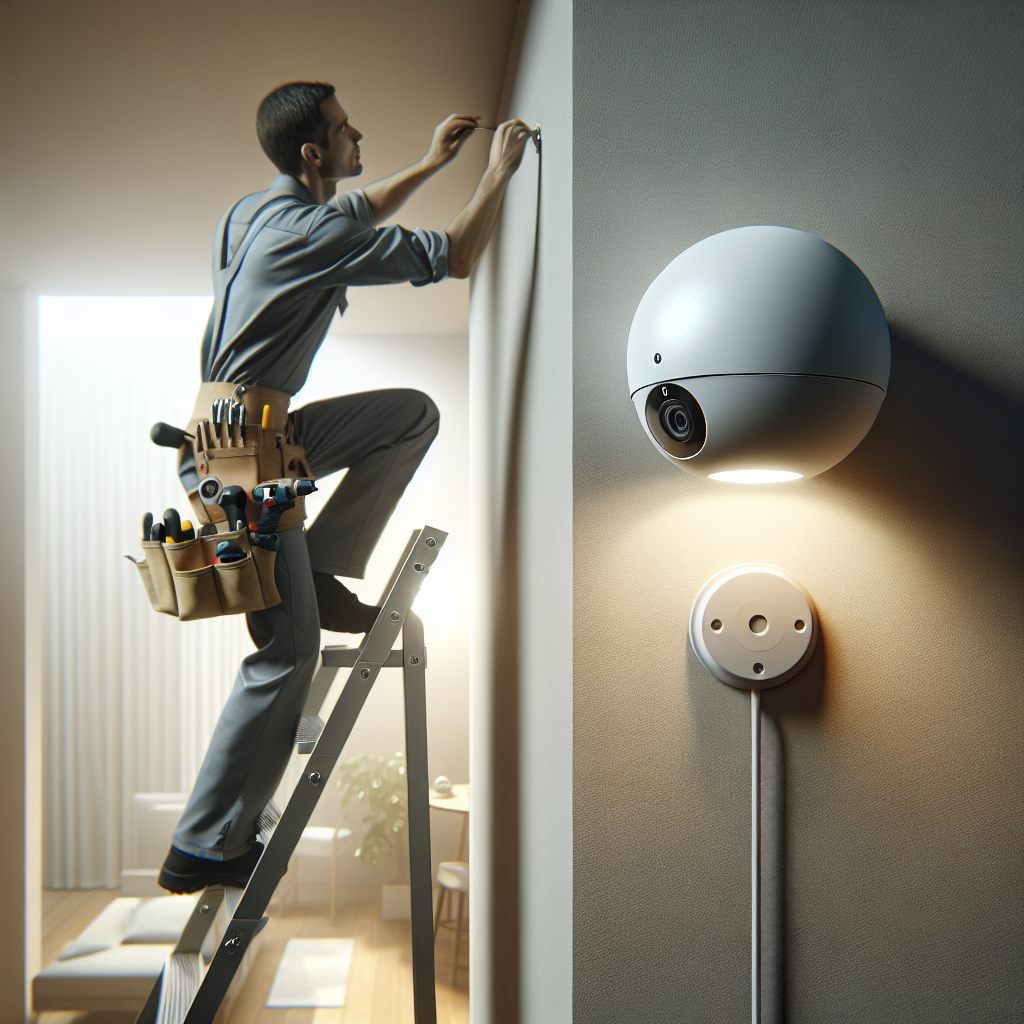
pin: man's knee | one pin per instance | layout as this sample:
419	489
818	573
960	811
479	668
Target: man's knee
425	416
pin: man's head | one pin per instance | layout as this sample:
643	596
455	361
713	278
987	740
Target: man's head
302	127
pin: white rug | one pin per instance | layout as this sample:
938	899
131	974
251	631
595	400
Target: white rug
312	974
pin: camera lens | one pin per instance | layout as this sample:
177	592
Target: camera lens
208	488
676	420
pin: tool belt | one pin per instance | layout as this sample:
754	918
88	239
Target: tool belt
245	455
182	578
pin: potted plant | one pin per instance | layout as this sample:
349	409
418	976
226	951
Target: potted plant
379	785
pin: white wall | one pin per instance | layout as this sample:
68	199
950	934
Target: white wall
521	366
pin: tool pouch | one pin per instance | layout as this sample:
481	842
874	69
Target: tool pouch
181	579
245	455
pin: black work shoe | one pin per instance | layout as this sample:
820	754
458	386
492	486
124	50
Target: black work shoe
183	872
340	610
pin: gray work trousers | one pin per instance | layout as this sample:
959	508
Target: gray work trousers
381	438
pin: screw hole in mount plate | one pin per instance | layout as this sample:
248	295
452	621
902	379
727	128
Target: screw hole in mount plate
799	625
419	567
758	668
657	357
758	625
716	625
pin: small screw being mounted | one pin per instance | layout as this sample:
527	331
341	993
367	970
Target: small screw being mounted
535	134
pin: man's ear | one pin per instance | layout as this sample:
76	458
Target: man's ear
311	154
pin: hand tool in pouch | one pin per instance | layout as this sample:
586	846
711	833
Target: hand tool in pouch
229	551
147	525
166	436
210	490
277	497
232	499
172	526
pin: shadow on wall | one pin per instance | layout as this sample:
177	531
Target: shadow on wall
505	673
943	447
944	452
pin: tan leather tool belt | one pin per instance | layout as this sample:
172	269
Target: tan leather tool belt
245	455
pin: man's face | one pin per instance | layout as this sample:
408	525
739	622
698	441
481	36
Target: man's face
341	158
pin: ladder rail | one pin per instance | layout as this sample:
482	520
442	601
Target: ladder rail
421	882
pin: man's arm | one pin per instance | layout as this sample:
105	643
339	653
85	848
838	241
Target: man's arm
388	194
470	231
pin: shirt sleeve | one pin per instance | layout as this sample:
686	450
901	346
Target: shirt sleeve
378	255
354	204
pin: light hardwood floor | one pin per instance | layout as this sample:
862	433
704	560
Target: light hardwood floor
379	982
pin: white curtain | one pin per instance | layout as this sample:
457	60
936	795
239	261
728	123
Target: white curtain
131	695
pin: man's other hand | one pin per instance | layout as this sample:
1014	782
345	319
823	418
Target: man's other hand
507	148
449	137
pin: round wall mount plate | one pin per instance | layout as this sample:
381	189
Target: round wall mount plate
753	626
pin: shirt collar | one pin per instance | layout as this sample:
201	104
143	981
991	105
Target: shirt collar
289	183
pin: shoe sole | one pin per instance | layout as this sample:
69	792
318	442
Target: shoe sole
184	884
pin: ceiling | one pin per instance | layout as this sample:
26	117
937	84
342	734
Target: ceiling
128	129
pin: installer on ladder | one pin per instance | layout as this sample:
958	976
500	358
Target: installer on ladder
282	262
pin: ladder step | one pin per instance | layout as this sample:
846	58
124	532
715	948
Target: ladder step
346	657
183	974
310	727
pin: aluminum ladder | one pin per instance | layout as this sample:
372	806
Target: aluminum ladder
190	992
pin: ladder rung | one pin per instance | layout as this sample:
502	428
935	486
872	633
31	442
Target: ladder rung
183	974
346	657
310	727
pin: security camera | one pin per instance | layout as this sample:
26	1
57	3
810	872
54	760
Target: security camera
759	354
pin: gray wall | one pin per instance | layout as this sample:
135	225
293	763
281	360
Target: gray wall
521	449
893	131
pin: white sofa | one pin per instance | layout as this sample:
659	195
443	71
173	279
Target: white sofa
112	965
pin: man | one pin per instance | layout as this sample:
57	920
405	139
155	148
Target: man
299	247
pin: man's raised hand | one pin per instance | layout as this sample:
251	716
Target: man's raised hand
507	148
449	137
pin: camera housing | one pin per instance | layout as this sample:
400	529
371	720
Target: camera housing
758	354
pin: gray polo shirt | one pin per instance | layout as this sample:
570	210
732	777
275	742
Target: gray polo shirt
295	274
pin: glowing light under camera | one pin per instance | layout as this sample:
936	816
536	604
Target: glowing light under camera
755	476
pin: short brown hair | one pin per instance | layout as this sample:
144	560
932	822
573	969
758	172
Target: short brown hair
288	118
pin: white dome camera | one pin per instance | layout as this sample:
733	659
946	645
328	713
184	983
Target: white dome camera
759	354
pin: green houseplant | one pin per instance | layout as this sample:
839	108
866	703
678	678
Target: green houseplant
379	784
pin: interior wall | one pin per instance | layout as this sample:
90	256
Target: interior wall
129	128
893	131
20	673
521	458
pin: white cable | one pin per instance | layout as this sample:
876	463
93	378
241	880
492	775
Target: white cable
755	856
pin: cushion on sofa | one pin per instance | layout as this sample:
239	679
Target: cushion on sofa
161	919
105	931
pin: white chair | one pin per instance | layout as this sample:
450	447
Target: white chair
317	841
452	876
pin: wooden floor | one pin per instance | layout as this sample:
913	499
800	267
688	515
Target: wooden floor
379	981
